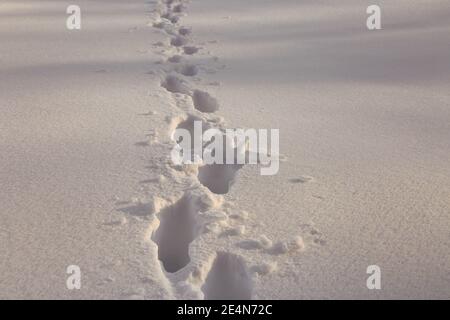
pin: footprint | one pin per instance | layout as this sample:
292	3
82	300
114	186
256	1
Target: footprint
184	31
228	279
188	70
189	125
179	8
203	102
175	85
178	228
175	59
190	50
179	41
218	178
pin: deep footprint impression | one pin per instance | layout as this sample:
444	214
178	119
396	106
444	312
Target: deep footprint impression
218	178
203	102
178	228
228	279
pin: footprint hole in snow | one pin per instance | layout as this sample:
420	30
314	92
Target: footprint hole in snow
175	85
204	102
188	70
228	279
190	50
177	229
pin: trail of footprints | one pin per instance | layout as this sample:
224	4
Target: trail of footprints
179	224
206	272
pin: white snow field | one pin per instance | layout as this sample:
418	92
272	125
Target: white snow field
86	133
